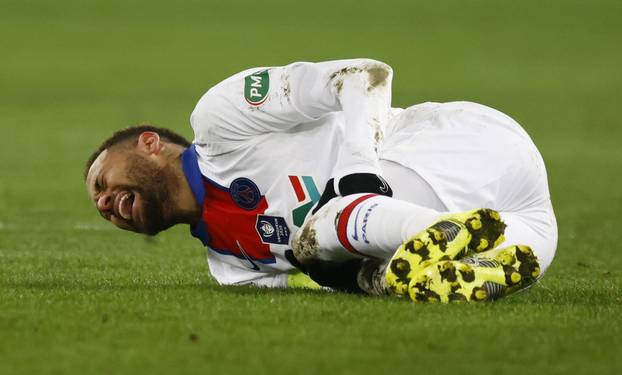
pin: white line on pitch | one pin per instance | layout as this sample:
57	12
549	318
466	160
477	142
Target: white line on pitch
92	227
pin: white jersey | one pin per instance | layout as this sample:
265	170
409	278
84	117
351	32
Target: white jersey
267	140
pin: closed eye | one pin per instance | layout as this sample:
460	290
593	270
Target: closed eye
98	187
99	184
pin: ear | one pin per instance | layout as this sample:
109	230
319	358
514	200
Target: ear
149	142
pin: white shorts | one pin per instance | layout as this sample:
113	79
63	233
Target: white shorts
463	156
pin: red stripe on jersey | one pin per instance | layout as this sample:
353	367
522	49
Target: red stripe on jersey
231	227
300	194
342	225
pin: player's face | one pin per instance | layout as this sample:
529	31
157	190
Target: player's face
131	191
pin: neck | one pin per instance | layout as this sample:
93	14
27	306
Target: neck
186	208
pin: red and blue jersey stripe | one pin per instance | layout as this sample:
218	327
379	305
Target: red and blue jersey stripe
225	227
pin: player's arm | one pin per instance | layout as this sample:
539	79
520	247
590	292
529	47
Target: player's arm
265	100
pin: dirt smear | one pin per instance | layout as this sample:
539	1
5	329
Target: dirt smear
338	76
285	85
305	246
377	76
378	133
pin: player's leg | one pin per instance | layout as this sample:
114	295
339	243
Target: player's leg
372	226
332	265
348	252
424	134
408	186
495	165
360	225
526	252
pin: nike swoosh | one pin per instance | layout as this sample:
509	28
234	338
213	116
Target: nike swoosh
355	236
252	266
385	187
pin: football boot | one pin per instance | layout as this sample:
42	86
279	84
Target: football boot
453	237
483	277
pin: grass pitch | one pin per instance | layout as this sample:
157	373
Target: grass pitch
79	297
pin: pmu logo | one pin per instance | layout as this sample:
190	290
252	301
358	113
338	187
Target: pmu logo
307	195
256	87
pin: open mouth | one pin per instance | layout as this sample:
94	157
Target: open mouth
124	203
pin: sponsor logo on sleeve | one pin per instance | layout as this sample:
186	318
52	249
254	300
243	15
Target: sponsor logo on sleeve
272	229
256	87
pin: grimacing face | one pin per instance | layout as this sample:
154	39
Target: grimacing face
131	190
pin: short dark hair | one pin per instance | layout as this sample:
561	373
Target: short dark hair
132	133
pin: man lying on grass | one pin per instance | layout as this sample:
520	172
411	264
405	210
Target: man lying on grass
308	167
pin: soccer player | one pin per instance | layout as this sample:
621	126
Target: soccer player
308	166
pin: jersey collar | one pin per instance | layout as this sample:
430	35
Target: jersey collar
190	165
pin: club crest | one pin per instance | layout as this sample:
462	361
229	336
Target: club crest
245	193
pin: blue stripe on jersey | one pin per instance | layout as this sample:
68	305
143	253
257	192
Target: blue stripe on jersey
190	165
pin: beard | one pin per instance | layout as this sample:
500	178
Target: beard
156	186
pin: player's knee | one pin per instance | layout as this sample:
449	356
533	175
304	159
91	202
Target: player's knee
318	239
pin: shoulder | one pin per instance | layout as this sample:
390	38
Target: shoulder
226	90
244	105
219	115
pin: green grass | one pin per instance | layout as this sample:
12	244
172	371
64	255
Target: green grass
77	296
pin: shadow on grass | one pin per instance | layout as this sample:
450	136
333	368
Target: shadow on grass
556	294
55	286
153	286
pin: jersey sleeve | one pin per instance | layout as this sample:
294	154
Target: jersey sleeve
228	274
264	100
